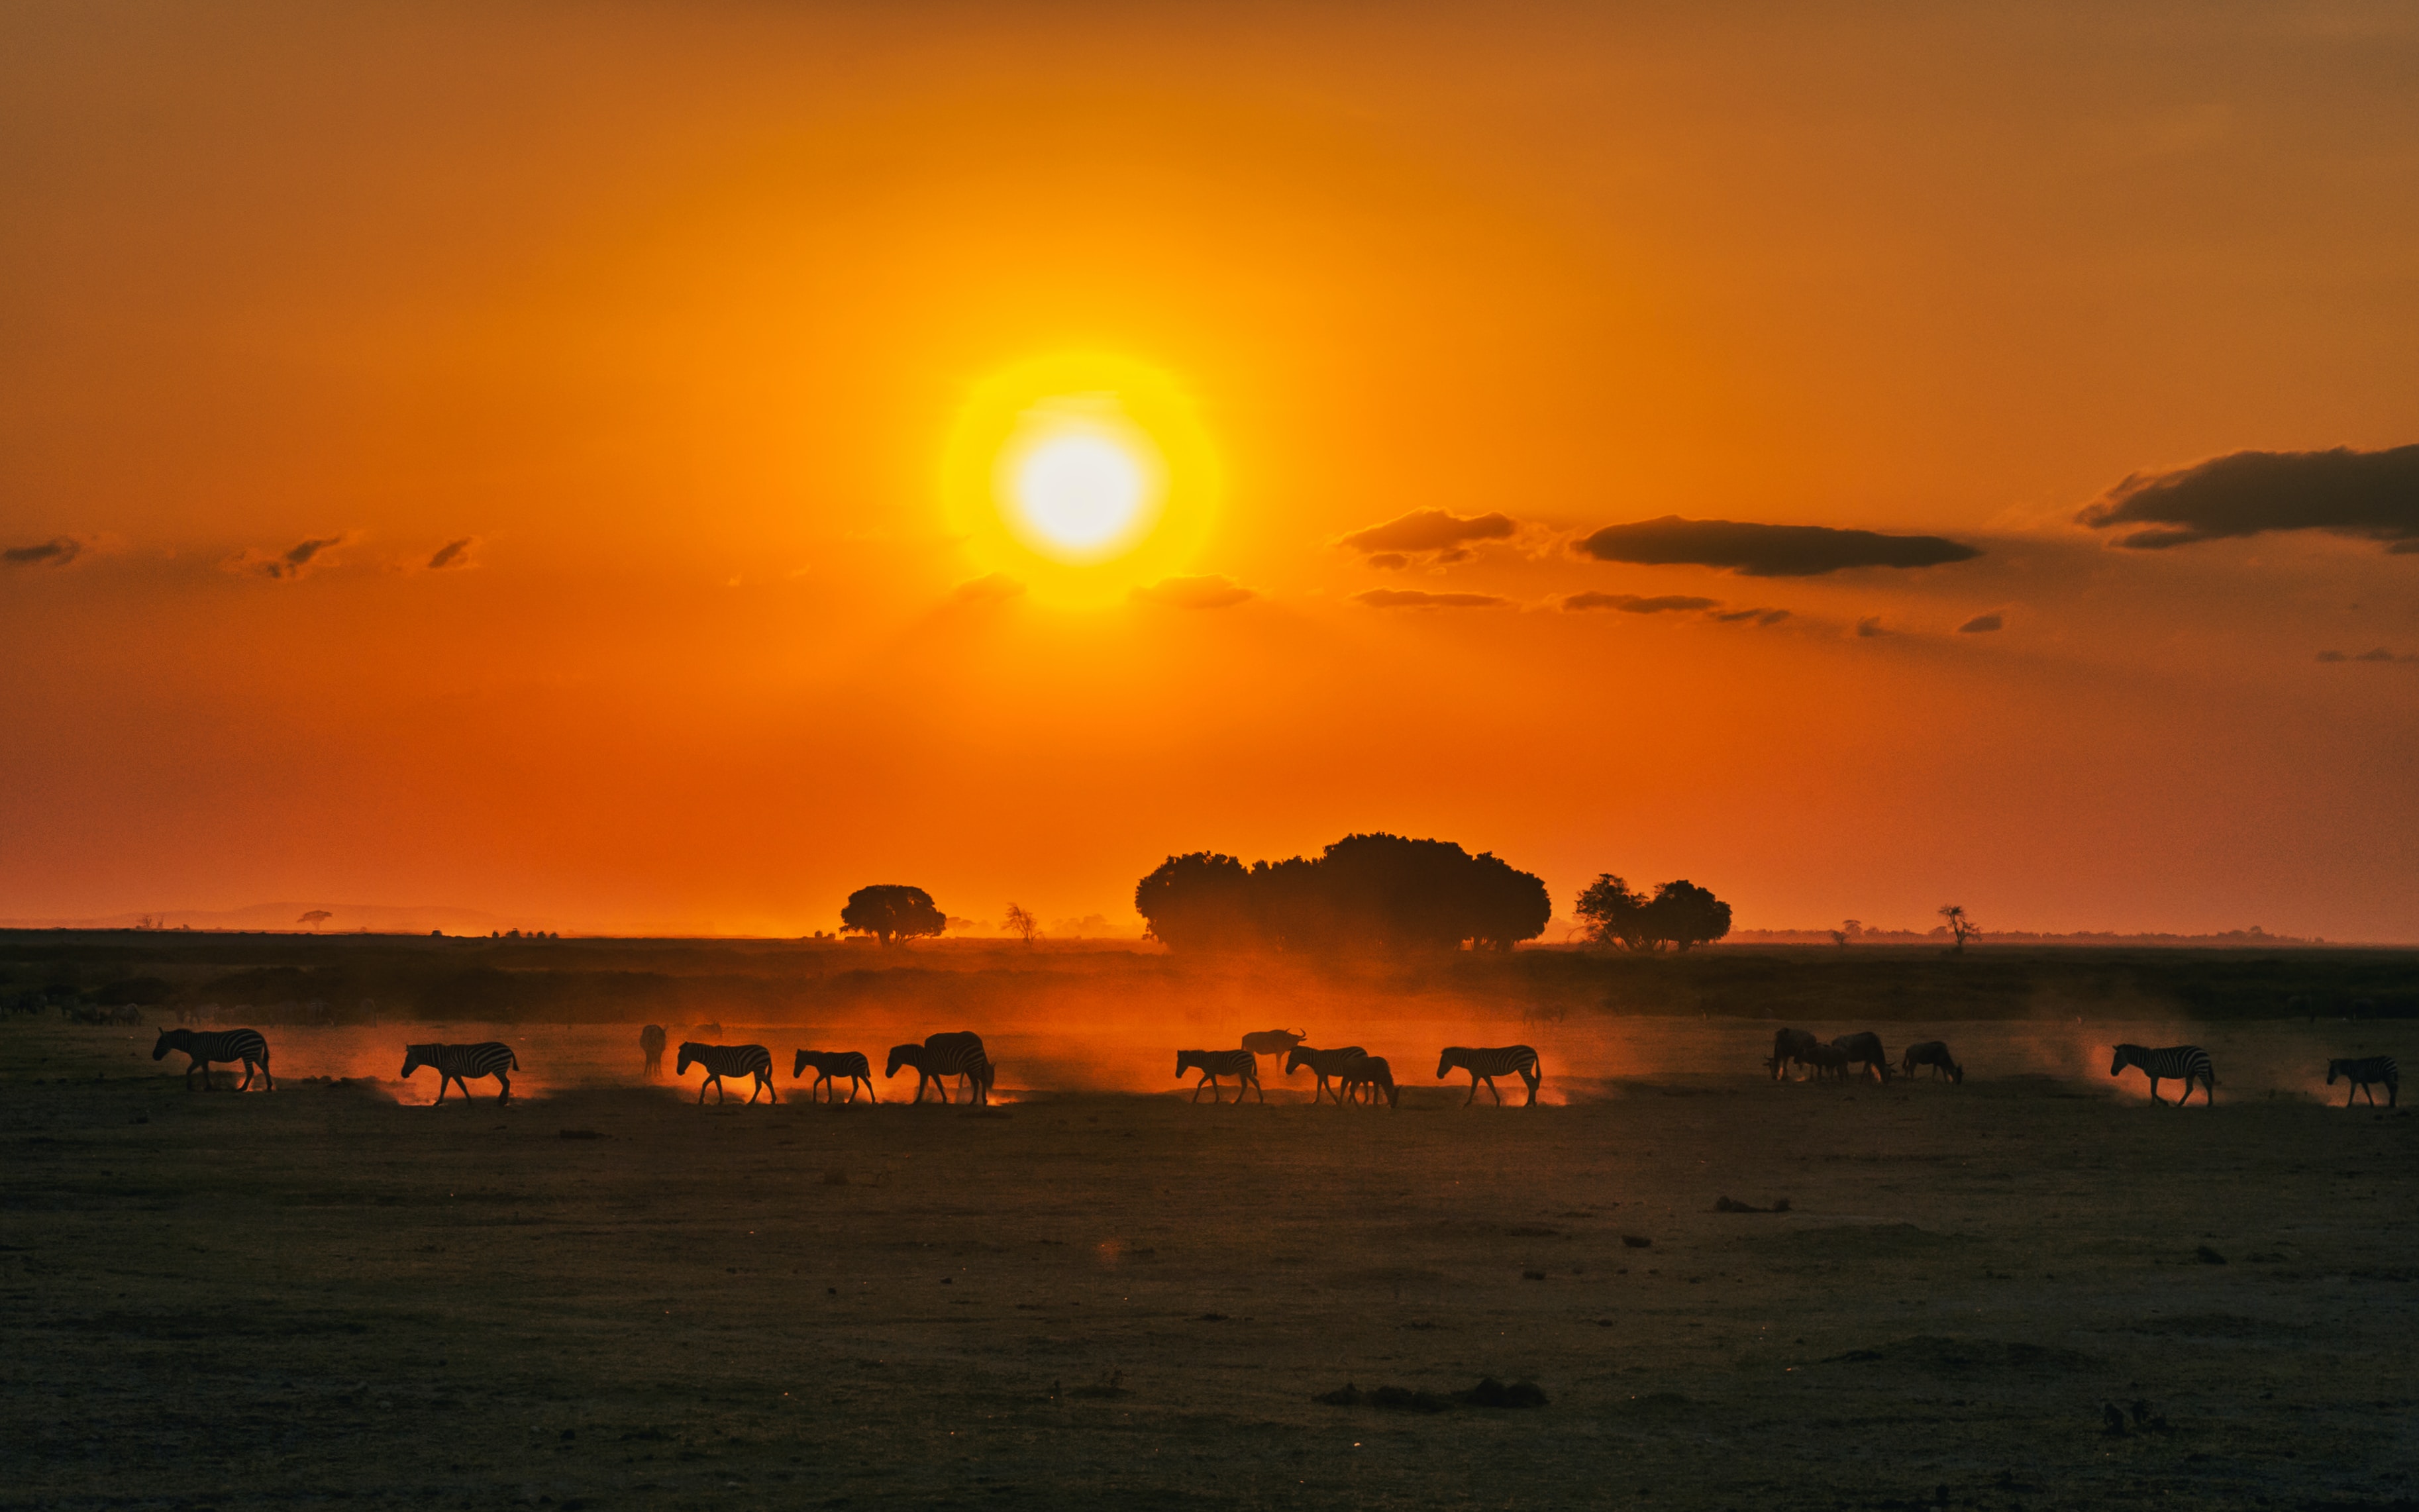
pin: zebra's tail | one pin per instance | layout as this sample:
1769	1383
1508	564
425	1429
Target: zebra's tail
513	1059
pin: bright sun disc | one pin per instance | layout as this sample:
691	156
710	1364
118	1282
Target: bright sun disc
1080	490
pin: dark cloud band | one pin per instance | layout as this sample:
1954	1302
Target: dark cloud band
1423	530
1765	550
2374	495
1412	598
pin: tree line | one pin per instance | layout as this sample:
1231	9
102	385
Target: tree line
1365	893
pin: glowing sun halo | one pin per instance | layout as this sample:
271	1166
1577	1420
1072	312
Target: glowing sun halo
1081	491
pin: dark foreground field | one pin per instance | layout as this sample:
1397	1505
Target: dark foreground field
326	1296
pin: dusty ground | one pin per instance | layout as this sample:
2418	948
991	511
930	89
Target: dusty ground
326	1296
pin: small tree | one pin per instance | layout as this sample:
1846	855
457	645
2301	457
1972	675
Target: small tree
1959	925
1615	915
890	913
1022	924
316	917
1686	915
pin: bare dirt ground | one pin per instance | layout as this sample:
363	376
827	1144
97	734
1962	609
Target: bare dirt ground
603	1296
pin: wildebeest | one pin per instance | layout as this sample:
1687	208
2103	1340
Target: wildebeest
1790	1047
1273	1042
1865	1048
832	1064
1935	1054
2361	1073
1484	1065
721	1061
207	1045
1323	1063
454	1062
1827	1060
651	1040
1242	1065
1373	1075
2188	1063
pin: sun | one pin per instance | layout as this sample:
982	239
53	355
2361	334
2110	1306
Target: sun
1081	476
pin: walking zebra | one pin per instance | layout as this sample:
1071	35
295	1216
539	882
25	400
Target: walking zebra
2364	1072
1486	1065
1372	1076
1935	1054
721	1061
651	1040
1242	1065
831	1063
1323	1064
455	1061
2188	1063
942	1056
206	1045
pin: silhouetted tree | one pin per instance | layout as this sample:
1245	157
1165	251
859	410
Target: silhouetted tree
316	917
1201	902
890	912
1023	925
1364	892
1614	914
1686	916
1959	925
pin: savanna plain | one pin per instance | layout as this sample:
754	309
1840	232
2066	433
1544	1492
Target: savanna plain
1095	1293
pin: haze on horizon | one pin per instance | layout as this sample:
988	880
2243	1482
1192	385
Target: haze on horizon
518	459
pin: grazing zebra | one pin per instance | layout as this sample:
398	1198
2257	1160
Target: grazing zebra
651	1040
832	1064
206	1045
1372	1076
1935	1054
1242	1065
1273	1042
942	1056
455	1061
1791	1046
721	1061
1866	1048
2364	1072
1323	1064
1487	1064
2187	1063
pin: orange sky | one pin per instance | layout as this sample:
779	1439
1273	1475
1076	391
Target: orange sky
668	312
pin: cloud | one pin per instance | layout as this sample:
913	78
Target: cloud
991	588
454	554
1410	598
1434	533
2371	495
1870	626
55	553
297	561
1980	623
1761	616
1209	592
1765	550
2379	654
1633	604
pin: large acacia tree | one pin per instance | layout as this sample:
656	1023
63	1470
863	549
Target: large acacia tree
1364	892
892	913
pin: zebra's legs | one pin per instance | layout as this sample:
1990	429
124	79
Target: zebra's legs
2154	1091
1493	1091
1532	1078
507	1095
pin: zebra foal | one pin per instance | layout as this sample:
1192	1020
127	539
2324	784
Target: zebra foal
1242	1065
2361	1072
1484	1065
1323	1064
830	1064
721	1061
2187	1063
206	1045
1372	1077
454	1062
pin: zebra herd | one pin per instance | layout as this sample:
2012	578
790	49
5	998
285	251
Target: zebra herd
1346	1074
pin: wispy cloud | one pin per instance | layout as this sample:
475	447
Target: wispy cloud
454	554
298	561
1432	535
2379	654
1412	598
1870	626
1634	604
991	588
1981	622
1755	550
55	553
1761	616
2372	495
1208	592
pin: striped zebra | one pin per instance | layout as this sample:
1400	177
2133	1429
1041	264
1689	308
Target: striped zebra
454	1062
1242	1065
942	1056
2187	1063
2361	1072
829	1064
721	1061
1486	1065
650	1043
1324	1064
206	1045
1372	1077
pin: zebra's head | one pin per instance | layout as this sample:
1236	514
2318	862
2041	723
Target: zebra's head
1295	1056
1184	1063
798	1067
904	1055
691	1053
417	1056
2334	1068
164	1044
1454	1055
2127	1055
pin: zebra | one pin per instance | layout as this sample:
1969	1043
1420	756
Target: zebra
1790	1047
721	1061
1273	1042
206	1045
1373	1075
1486	1065
942	1056
454	1062
1242	1065
1935	1054
833	1063
1323	1064
2186	1063
2364	1072
651	1040
1866	1048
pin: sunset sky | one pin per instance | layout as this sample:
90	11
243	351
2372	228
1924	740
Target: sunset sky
551	460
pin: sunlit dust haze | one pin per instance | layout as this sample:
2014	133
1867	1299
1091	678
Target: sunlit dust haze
661	467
